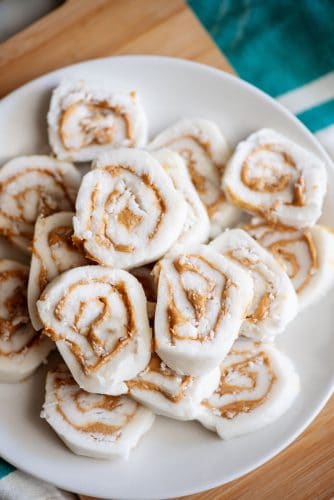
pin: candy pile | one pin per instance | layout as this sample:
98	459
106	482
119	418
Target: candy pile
153	304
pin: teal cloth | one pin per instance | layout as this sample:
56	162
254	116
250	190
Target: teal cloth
5	468
277	45
318	117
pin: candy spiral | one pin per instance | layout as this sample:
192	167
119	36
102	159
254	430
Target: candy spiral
97	316
257	385
33	185
202	145
274	302
22	349
168	393
93	425
196	227
53	253
127	212
269	175
202	300
86	120
306	256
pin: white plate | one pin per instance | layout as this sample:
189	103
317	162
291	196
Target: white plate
174	458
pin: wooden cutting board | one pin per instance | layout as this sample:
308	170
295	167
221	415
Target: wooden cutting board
84	29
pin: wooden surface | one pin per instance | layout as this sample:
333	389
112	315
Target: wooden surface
304	471
84	29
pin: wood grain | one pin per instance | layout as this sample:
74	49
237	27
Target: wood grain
84	29
304	471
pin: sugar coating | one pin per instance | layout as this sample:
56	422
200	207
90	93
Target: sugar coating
202	300
97	120
275	302
128	212
98	318
271	176
206	152
93	425
258	385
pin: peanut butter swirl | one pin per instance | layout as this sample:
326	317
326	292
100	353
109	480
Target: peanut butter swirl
202	301
196	314
53	252
196	152
205	151
16	332
94	336
295	250
92	123
128	211
93	414
158	378
278	174
260	308
85	120
125	216
62	249
247	379
274	301
97	317
272	177
32	186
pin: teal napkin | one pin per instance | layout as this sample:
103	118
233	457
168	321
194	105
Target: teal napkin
284	47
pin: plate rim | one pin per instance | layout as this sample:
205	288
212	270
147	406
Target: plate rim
185	62
329	164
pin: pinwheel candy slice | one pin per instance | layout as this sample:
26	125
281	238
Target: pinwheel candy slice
85	120
202	301
97	317
205	150
93	425
33	185
306	255
274	302
196	228
128	212
53	253
271	176
258	385
167	393
22	349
